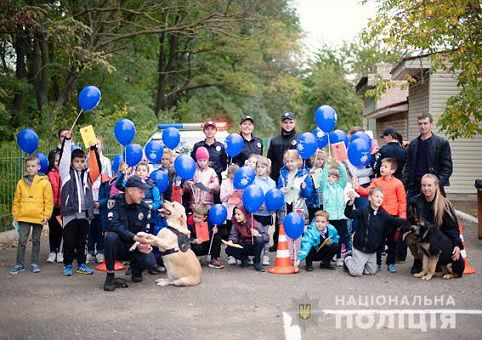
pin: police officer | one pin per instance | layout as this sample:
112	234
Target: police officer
252	145
126	216
217	154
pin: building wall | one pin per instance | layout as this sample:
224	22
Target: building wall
418	102
466	153
397	121
395	94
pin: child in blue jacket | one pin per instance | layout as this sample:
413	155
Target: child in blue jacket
313	246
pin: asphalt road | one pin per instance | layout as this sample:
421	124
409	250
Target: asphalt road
237	303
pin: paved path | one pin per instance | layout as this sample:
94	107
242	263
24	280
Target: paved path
234	303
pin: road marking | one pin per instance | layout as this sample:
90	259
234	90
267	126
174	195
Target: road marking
292	332
402	311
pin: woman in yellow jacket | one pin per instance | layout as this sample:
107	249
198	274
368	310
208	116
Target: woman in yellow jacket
32	207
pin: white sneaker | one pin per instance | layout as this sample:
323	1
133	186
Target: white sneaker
250	260
90	258
52	257
265	260
99	258
339	262
60	257
231	260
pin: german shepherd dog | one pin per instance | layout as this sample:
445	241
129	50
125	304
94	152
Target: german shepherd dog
436	248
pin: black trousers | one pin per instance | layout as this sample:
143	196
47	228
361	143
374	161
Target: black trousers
391	244
75	239
116	249
203	248
324	255
55	232
226	230
249	249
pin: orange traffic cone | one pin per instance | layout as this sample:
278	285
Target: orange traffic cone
117	266
283	264
468	268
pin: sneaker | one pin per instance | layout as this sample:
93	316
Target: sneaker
345	267
60	257
17	269
339	262
258	266
109	285
215	263
156	270
68	270
231	260
90	258
392	268
379	268
250	261
328	265
265	260
99	258
137	277
244	263
34	268
84	269
309	267
241	262
52	257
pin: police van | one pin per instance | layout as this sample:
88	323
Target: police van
191	133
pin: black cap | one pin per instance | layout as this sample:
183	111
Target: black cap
389	132
287	115
209	123
245	118
136	182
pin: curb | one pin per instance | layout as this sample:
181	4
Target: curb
466	217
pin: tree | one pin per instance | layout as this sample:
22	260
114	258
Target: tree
450	31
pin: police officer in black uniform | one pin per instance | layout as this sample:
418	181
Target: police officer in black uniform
217	153
126	216
252	145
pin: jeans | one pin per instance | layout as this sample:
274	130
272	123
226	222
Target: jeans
345	238
324	255
249	249
96	237
75	238
23	233
116	249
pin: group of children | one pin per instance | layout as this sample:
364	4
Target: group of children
75	205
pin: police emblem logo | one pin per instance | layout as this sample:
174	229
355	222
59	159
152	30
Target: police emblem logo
140	216
293	142
304	311
286	114
258	145
218	148
110	204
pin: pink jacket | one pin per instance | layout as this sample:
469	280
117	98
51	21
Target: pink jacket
230	197
209	179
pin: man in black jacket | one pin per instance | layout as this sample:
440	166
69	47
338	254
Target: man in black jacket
428	153
279	144
392	149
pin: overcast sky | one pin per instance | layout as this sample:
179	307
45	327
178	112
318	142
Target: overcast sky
332	21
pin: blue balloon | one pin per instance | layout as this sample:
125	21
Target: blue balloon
234	144
171	137
89	97
325	117
124	131
116	162
253	198
321	137
133	154
363	136
294	225
185	166
27	140
359	153
274	200
338	136
44	162
161	179
243	177
306	145
217	214
154	151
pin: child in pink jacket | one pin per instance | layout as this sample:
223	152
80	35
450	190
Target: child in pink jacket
205	182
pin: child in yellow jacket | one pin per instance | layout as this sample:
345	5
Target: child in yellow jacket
32	208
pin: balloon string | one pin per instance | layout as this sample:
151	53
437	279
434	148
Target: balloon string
329	146
252	227
211	244
76	119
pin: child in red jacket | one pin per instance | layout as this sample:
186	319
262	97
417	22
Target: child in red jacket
394	203
55	229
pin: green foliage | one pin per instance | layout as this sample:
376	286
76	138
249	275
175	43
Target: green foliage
450	32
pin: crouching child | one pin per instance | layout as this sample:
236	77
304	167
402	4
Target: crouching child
374	224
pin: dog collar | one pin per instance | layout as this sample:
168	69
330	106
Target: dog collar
169	252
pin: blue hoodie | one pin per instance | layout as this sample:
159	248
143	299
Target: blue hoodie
311	238
283	180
